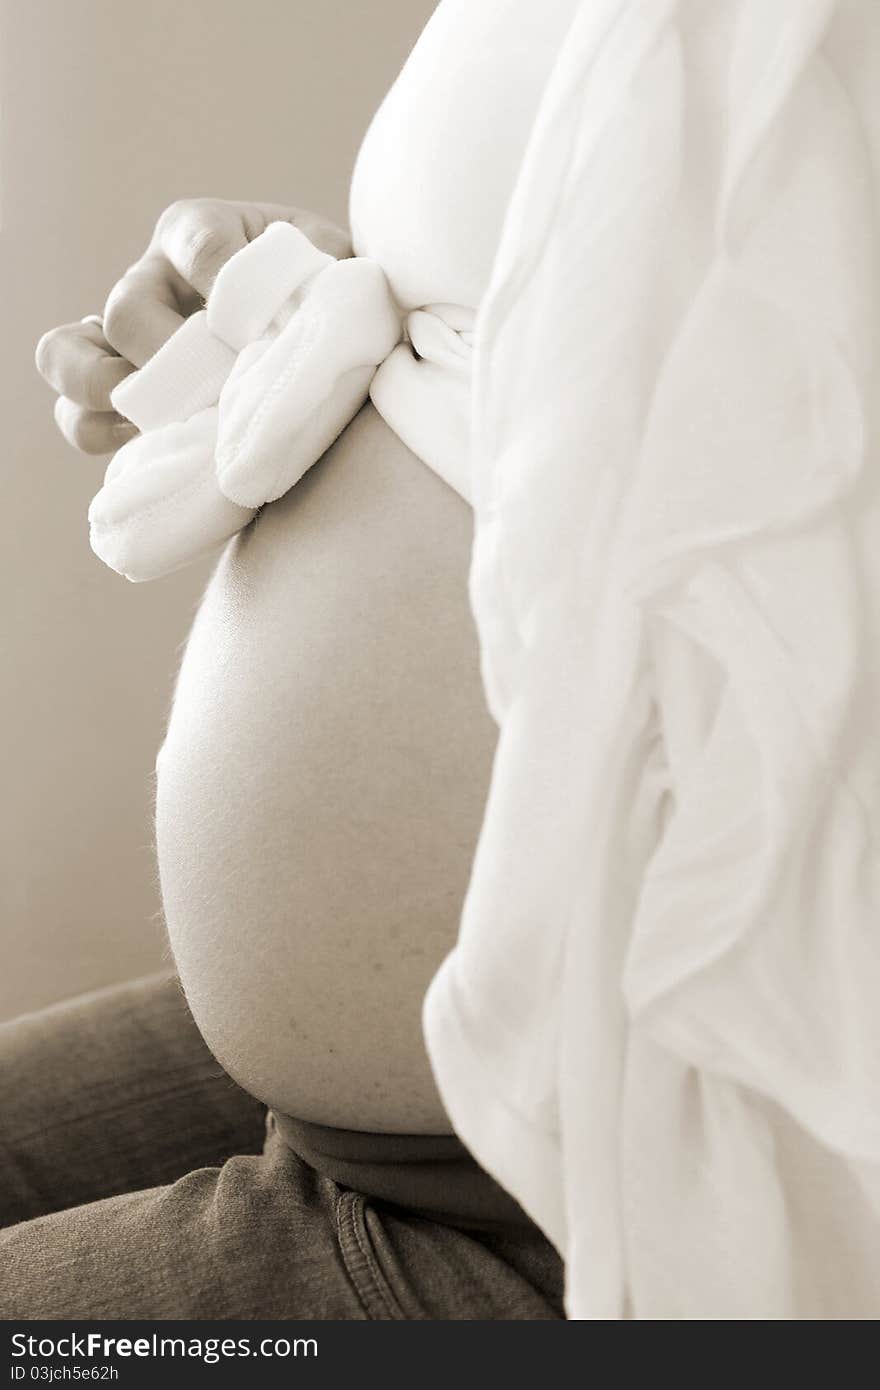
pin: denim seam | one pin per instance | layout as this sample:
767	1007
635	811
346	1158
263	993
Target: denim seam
375	1293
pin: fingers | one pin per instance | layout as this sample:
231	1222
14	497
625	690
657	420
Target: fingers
92	431
320	230
193	240
198	236
78	362
324	233
141	311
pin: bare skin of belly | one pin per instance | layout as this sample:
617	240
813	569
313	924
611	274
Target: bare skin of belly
322	783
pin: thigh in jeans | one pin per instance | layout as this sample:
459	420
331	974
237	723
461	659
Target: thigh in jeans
109	1093
254	1238
268	1237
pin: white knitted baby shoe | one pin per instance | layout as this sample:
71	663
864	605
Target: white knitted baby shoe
241	401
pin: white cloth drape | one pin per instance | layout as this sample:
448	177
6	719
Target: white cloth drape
660	1026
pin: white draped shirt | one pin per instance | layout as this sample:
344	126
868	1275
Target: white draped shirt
659	1028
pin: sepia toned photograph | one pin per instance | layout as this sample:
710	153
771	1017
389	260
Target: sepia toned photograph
440	671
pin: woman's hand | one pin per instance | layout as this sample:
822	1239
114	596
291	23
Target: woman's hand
193	238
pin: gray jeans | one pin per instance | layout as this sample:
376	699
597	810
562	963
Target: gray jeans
138	1181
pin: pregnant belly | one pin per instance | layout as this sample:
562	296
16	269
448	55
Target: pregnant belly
321	786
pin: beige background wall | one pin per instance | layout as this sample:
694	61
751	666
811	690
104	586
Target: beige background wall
109	110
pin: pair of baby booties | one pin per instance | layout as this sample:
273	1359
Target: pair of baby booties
241	401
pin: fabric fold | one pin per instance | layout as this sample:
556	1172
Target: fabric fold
423	390
754	446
